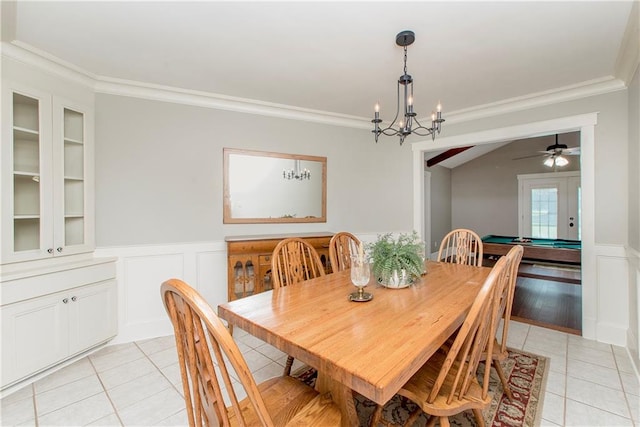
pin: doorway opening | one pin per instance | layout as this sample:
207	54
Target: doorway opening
584	124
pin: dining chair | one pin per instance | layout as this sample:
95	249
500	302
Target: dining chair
341	246
209	358
447	383
500	352
294	261
461	246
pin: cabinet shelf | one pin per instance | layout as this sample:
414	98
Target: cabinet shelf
73	141
26	216
25	134
27	175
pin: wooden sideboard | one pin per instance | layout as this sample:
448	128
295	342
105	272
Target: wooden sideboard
249	260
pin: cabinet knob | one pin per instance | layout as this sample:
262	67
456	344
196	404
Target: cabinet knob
59	249
66	300
50	250
74	299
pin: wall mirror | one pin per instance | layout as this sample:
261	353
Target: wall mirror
263	187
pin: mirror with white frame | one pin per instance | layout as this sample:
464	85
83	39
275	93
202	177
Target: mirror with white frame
264	187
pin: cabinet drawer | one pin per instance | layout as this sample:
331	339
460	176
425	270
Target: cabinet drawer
265	261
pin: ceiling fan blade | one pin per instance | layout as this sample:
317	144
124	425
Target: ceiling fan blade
571	151
534	155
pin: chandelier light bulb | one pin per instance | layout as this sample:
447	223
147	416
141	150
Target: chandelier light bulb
549	161
561	161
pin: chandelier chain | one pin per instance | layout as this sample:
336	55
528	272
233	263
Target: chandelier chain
405	60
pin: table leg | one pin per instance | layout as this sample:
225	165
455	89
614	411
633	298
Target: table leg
342	396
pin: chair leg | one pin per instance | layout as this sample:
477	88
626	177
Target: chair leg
287	367
377	414
444	422
414	417
431	421
503	379
477	413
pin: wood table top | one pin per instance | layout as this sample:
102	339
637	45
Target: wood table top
371	347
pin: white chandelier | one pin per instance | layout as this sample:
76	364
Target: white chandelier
296	172
408	123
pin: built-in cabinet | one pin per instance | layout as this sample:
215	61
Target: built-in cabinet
47	157
39	332
249	260
58	301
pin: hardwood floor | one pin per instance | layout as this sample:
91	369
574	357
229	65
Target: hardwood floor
552	304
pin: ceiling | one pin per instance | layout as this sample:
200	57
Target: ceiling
336	57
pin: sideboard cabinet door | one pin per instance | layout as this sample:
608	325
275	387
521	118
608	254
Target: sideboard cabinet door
34	335
92	315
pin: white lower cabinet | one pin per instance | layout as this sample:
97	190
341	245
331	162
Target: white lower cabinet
40	332
92	315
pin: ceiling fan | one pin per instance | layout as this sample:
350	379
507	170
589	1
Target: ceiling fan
555	154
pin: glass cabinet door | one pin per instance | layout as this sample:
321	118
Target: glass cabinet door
74	185
27	175
71	155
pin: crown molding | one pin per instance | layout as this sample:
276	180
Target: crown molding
196	98
107	85
44	61
539	99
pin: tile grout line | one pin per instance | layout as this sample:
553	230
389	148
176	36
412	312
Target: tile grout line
106	393
624	392
165	377
35	407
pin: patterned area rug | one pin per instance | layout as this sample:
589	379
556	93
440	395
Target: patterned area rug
527	374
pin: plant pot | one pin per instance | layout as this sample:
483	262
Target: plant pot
397	280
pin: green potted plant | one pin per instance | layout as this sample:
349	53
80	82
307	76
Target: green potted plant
397	262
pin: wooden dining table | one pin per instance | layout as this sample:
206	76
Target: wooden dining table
371	347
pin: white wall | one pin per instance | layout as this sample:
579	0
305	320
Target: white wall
159	172
440	193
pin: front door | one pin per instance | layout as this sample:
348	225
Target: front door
549	205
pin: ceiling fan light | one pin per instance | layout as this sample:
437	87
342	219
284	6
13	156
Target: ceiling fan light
548	161
561	161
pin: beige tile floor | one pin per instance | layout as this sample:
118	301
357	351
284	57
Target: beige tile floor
138	384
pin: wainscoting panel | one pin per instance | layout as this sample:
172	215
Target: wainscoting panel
612	281
633	335
142	269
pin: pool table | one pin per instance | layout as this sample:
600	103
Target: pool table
547	250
